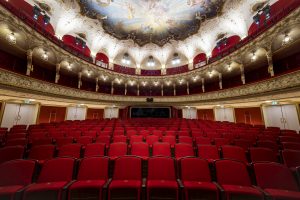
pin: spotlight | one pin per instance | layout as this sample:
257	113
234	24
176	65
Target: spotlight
36	12
176	59
151	62
256	18
287	39
253	57
46	19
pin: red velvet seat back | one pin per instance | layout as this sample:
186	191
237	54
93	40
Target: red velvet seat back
161	168
42	152
230	172
208	152
128	168
195	169
140	149
234	152
183	150
70	150
55	170
16	172
11	153
275	176
117	149
93	168
262	154
291	158
96	149
161	149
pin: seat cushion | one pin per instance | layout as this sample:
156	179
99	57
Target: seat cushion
9	190
283	194
162	184
87	184
236	189
46	186
125	184
191	185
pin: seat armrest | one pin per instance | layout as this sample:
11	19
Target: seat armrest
68	184
219	187
262	191
144	182
105	186
181	186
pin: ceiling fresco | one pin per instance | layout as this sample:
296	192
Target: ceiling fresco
151	21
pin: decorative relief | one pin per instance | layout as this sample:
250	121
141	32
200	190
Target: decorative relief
272	86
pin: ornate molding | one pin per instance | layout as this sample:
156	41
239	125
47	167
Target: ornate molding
278	85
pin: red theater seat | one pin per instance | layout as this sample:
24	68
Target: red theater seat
42	152
11	153
221	141
277	181
117	149
161	181
183	150
92	175
63	141
150	139
169	139
245	144
234	152
235	181
268	144
84	140
136	138
203	141
70	150
15	175
96	149
127	178
103	139
16	142
258	154
41	141
161	149
185	139
51	183
291	145
291	158
120	138
140	149
196	179
209	152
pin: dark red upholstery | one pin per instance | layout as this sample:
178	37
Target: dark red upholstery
92	174
276	180
161	178
234	152
70	150
268	144
14	175
196	178
119	138
16	142
140	149
245	144
42	152
63	141
11	153
209	152
103	139
150	139
258	154
183	150
96	149
161	149
117	149
136	138
221	141
235	181
291	145
169	139
203	141
185	139
128	176
55	174
291	158
84	140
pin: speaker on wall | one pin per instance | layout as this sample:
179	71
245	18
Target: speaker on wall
149	100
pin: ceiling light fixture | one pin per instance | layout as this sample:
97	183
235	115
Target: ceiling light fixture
210	74
45	56
286	40
176	59
151	62
229	67
125	59
253	57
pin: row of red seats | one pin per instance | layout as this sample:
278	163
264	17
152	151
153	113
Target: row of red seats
60	179
291	158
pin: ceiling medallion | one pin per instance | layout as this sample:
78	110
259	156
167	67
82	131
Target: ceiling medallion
151	21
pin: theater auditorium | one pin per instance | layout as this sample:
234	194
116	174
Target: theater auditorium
149	99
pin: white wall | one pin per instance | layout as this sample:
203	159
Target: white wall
189	113
283	116
224	114
76	113
16	114
111	112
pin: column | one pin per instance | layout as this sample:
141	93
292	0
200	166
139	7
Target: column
111	66
112	88
97	85
29	62
191	65
79	80
138	89
203	86
125	92
163	71
270	63
174	89
187	87
138	71
162	89
220	81
57	76
243	79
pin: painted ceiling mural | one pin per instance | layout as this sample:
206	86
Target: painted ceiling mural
151	21
144	28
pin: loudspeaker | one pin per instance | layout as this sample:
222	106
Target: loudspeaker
149	100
